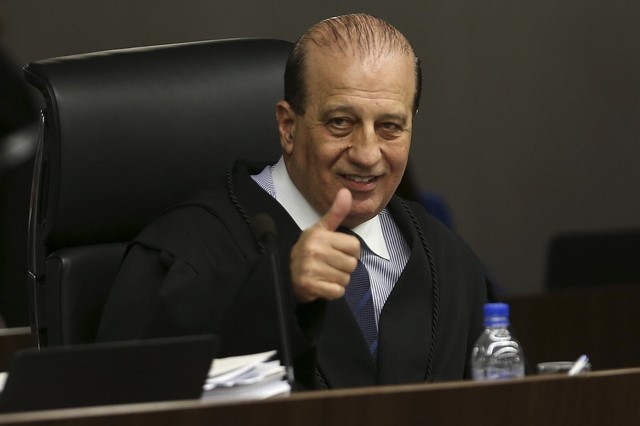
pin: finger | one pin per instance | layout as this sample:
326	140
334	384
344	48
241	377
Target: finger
332	291
318	251
338	211
329	247
321	290
317	274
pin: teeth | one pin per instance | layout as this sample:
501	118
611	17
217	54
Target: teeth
360	179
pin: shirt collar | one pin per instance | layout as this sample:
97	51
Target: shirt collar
305	216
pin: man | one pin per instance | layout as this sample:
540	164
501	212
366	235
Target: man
352	88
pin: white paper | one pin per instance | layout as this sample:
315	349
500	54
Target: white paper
233	365
254	376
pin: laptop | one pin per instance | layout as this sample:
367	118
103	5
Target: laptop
108	373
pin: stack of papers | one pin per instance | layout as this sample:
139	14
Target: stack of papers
255	376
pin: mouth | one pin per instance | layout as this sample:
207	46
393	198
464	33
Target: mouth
360	179
360	183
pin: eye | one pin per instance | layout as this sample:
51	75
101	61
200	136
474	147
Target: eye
339	122
390	126
389	129
340	125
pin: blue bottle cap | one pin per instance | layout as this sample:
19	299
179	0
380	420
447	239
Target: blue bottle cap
496	310
496	315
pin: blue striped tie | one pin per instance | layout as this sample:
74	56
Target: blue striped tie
358	296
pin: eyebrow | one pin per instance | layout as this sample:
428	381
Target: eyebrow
338	109
351	110
394	116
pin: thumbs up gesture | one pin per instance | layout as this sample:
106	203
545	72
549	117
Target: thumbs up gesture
322	259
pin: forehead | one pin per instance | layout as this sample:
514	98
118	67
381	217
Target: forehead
330	73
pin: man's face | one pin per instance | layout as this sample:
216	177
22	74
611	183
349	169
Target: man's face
355	133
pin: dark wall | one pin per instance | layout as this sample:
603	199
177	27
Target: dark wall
531	113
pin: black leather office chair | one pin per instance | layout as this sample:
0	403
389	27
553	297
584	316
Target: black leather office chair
126	133
18	119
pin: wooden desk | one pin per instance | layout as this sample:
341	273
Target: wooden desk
597	398
560	326
11	340
601	322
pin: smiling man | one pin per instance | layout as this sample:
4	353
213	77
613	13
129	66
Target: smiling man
376	291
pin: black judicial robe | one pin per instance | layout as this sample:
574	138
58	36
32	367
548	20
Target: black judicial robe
198	269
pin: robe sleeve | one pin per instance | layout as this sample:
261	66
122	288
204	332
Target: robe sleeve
172	281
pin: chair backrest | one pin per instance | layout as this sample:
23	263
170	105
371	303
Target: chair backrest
125	134
593	258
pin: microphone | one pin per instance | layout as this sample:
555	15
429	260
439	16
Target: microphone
264	230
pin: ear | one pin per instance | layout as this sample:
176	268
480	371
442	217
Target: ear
286	118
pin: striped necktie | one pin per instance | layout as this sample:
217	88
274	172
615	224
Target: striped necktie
359	298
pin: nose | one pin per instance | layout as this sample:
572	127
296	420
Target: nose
364	149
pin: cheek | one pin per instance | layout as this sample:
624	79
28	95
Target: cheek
397	157
397	163
316	160
327	154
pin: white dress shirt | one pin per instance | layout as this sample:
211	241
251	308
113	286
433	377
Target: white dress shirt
384	252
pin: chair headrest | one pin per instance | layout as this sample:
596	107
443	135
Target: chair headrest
129	132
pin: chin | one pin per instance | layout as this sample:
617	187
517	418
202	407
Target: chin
354	219
366	208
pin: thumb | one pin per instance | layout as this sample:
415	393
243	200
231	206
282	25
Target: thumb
338	211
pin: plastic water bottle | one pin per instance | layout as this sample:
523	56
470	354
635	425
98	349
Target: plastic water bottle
496	354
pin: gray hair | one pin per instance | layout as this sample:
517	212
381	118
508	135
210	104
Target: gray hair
364	36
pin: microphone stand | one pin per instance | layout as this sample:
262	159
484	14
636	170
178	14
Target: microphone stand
284	329
264	229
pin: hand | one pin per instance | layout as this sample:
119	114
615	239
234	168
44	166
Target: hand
322	260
